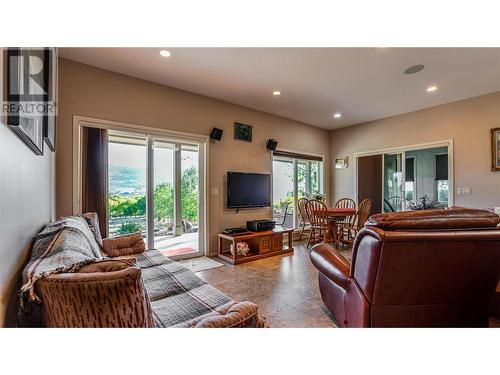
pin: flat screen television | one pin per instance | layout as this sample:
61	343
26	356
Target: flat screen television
247	190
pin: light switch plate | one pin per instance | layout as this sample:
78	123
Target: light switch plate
463	191
215	191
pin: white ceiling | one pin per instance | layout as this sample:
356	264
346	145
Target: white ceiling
363	84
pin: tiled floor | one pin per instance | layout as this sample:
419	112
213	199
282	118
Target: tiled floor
284	287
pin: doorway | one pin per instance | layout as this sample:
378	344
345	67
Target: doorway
154	188
131	177
406	178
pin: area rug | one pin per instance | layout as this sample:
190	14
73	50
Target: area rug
200	264
179	251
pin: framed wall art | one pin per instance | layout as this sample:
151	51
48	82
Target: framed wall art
495	149
243	132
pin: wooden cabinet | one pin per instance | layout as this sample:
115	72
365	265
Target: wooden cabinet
261	245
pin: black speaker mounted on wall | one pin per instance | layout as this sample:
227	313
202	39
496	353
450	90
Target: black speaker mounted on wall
216	134
271	144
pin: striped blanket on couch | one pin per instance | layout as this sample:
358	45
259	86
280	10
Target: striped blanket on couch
80	285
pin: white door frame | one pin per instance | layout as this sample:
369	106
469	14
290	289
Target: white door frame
402	149
149	132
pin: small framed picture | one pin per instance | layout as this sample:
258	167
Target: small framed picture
495	149
341	162
243	132
27	91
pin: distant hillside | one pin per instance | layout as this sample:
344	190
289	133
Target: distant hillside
126	180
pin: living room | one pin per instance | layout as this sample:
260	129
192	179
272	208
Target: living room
171	185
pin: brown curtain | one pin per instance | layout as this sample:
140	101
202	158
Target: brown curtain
95	174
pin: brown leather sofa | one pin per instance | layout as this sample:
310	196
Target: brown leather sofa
435	268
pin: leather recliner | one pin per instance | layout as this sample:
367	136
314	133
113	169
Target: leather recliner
435	268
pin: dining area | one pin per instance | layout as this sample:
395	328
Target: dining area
337	225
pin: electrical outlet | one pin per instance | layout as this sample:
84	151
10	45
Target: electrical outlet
463	191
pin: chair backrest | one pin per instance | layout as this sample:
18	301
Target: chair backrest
346	203
363	212
434	268
302	209
313	206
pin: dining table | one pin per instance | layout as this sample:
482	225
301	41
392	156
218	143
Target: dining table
334	215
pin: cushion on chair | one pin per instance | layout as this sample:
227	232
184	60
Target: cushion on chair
127	244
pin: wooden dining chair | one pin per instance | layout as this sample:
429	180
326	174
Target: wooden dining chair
319	222
304	220
359	220
343	225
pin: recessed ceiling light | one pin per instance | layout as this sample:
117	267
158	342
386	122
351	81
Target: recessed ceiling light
165	53
432	88
337	115
414	69
276	93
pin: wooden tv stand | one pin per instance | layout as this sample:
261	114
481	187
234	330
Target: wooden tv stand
262	245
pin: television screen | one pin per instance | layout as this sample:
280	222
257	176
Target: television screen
245	190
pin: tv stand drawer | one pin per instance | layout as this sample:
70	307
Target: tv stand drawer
265	245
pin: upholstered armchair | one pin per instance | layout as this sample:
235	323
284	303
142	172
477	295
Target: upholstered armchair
436	268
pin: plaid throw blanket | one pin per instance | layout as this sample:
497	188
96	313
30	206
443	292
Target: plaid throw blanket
177	295
62	246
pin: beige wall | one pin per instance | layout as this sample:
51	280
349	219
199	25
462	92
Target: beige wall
93	92
467	122
26	205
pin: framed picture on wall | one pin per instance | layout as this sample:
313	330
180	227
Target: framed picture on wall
27	91
243	132
495	149
341	162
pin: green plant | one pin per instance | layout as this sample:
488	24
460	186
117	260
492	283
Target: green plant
128	227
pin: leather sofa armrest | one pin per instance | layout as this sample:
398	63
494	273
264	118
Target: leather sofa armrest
127	244
331	263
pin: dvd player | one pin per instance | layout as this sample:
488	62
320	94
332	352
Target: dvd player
235	230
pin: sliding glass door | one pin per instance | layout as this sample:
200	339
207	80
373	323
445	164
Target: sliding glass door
154	188
294	178
416	178
393	181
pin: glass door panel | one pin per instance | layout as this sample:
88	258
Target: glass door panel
393	182
163	194
190	197
126	184
283	189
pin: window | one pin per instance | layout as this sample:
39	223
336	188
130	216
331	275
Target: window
442	178
294	177
410	179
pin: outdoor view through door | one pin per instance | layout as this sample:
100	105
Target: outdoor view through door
174	186
418	183
294	178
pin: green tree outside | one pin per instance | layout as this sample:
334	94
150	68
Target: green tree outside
127	206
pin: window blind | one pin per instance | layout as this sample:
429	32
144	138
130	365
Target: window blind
442	167
410	170
295	155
